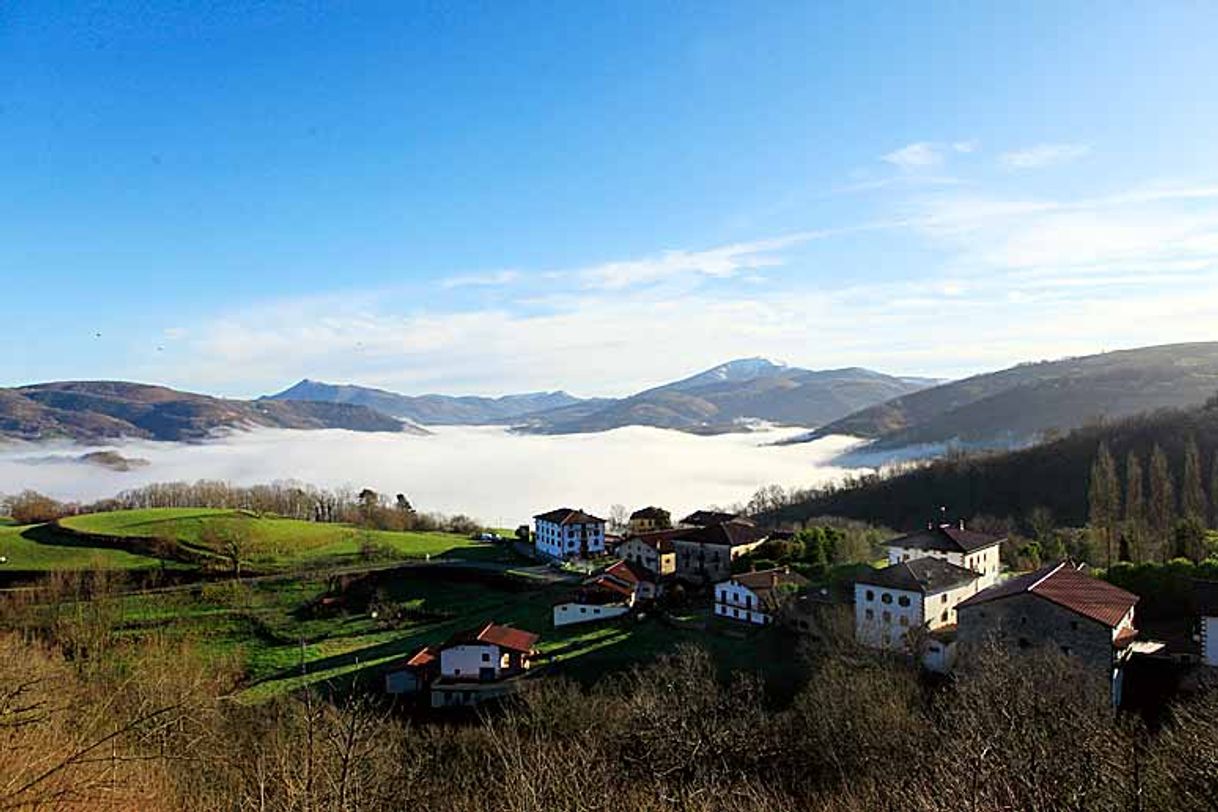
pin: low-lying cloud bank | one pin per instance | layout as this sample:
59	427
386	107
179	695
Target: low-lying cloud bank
486	472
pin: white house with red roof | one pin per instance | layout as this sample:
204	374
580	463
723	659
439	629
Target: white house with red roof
756	597
1059	607
478	664
568	533
954	544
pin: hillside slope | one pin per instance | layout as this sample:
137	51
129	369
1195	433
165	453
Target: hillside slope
720	398
96	410
427	409
1016	406
1052	475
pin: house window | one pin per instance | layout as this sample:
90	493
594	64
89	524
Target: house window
1074	625
486	657
870	595
869	614
943	616
1066	650
903	600
887	616
1024	643
886	598
903	620
944	599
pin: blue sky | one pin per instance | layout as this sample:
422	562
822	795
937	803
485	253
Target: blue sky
509	196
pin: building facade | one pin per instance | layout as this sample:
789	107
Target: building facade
652	551
567	533
648	520
705	554
954	544
896	606
1057	607
757	597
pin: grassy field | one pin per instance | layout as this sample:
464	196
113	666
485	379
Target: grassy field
276	542
33	548
268	631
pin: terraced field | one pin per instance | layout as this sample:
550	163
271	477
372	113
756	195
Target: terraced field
38	548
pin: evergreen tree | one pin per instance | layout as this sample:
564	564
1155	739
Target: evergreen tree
1161	509
1192	490
1135	508
1214	492
1104	500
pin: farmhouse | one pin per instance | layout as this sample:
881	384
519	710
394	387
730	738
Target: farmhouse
910	598
705	554
649	519
951	543
567	533
600	598
1060	607
1206	593
479	664
756	597
654	551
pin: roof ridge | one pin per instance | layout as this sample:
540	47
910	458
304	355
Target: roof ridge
1047	575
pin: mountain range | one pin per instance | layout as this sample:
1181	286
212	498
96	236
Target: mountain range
1029	402
428	409
98	410
714	401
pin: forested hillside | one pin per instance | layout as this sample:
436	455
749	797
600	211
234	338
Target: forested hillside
1053	476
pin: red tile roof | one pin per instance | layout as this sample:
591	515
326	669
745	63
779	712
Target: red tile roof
423	657
493	634
1066	586
629	572
734	533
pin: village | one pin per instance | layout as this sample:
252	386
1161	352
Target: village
938	597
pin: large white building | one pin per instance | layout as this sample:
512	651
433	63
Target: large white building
755	597
954	544
920	594
567	533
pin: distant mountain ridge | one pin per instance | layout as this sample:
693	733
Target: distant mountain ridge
99	410
720	399
716	400
1022	404
427	409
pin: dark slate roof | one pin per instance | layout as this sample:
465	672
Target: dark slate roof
568	516
703	518
1206	595
1062	583
725	534
658	540
948	538
924	575
650	513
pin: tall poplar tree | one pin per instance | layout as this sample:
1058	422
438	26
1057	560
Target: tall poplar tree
1161	509
1192	489
1135	507
1104	500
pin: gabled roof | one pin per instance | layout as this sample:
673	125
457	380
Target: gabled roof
948	538
923	575
599	591
733	533
493	634
568	516
423	657
765	580
1068	587
628	572
702	518
658	540
651	512
1205	593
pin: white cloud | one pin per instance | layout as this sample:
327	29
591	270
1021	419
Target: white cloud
965	146
915	156
492	279
1043	155
721	262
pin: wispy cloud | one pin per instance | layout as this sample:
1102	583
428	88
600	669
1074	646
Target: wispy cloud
1043	155
915	156
492	279
721	262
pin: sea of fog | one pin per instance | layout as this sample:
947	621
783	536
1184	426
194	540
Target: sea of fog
483	471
